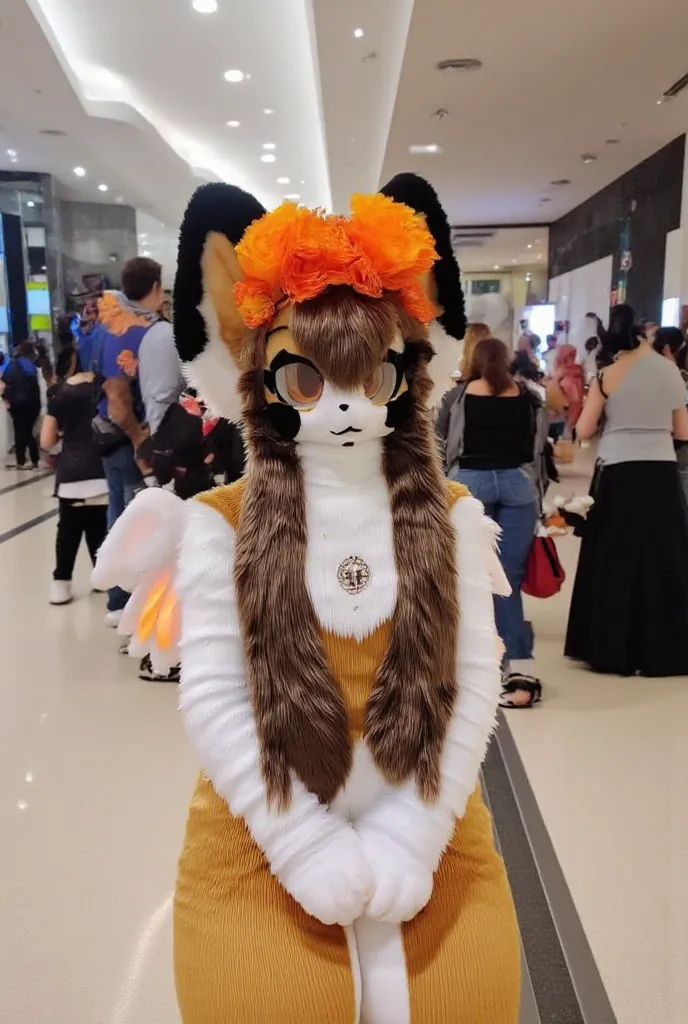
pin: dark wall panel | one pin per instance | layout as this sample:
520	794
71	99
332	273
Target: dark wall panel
636	211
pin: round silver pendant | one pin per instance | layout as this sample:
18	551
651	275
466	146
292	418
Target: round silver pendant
353	575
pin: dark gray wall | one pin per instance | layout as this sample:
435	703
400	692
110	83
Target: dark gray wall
648	200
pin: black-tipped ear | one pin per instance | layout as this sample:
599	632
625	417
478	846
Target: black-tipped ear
214	209
419	194
207	326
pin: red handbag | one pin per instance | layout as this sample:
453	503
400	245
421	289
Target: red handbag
544	575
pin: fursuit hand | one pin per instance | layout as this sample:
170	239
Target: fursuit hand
402	883
332	882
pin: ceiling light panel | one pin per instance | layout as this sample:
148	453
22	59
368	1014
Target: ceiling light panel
234	75
268	158
80	172
432	149
205	6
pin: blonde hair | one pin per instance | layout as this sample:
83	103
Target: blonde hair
474	334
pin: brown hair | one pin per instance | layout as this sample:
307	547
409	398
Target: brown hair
492	362
140	275
300	713
474	333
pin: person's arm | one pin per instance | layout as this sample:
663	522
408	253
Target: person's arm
589	420
403	835
314	853
50	433
680	424
160	375
120	409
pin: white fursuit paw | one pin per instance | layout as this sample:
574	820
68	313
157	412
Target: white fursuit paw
403	885
334	882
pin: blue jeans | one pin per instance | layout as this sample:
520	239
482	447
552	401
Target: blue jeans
509	498
123	477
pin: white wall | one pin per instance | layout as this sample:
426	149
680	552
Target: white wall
585	290
159	241
673	265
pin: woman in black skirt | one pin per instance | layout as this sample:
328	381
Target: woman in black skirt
629	610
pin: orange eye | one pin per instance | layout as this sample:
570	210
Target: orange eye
382	384
299	384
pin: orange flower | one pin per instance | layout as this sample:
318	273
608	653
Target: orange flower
417	304
127	362
254	305
393	237
299	253
261	251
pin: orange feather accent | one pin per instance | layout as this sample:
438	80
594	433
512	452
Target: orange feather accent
151	608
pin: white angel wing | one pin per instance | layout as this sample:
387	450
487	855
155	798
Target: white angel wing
140	556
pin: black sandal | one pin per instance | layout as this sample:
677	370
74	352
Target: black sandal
529	685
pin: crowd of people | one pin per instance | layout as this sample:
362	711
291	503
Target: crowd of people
117	417
626	392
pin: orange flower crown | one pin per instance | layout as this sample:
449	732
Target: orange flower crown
298	253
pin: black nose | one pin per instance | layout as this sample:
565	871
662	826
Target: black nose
343	407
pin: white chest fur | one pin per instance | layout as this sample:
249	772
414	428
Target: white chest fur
349	518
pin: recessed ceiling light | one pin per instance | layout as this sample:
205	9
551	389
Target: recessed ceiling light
80	172
660	102
294	196
119	199
612	142
460	64
303	182
233	124
440	114
268	158
496	266
269	145
283	181
561	181
359	33
146	252
11	152
31	203
268	110
588	158
530	245
102	188
513	261
13	159
205	6
433	149
234	75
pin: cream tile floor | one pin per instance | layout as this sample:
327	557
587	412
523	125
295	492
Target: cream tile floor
95	777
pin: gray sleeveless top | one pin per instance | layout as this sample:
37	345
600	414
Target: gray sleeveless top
639	413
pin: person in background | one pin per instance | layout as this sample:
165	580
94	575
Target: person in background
550	354
22	397
589	363
630	598
474	333
490	446
670	343
569	376
80	482
134	356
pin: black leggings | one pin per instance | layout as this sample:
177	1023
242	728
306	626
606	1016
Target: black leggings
77	520
23	421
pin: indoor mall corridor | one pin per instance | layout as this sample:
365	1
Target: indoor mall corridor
95	777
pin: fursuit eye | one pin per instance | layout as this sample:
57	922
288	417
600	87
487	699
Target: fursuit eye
383	384
299	384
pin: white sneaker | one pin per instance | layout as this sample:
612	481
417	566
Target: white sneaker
60	592
113	619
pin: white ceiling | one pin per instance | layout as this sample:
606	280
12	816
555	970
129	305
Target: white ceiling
501	249
138	88
558	80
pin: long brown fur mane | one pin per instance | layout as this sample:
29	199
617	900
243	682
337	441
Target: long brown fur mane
300	713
